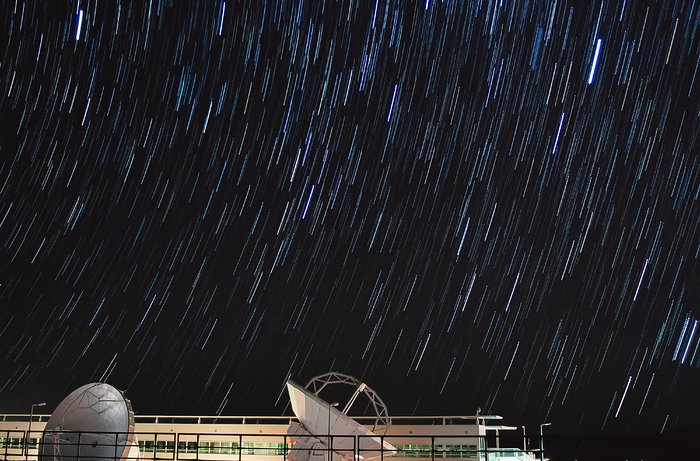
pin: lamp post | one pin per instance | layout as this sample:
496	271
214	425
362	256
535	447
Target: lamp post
542	440
29	429
334	404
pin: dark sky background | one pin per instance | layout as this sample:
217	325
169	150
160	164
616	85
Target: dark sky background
484	204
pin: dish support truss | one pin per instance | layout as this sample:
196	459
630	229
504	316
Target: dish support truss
318	383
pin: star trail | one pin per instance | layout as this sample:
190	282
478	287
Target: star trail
479	204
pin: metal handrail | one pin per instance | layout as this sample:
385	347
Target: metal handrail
254	419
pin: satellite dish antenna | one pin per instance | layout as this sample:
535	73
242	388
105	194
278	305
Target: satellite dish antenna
95	422
322	429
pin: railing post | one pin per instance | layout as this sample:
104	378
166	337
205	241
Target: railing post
240	446
355	448
196	456
176	451
432	448
6	442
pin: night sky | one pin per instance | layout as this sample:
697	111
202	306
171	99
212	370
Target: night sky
485	204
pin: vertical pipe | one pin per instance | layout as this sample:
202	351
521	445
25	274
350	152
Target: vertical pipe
26	435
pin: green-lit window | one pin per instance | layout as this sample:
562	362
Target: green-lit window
228	448
165	446
146	445
411	450
223	448
263	448
457	451
187	447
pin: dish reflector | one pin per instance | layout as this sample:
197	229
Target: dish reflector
323	422
95	422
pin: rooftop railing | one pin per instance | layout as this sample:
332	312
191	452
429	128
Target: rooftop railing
175	446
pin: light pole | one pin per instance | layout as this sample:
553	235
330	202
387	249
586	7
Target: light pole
29	429
334	404
524	440
542	440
